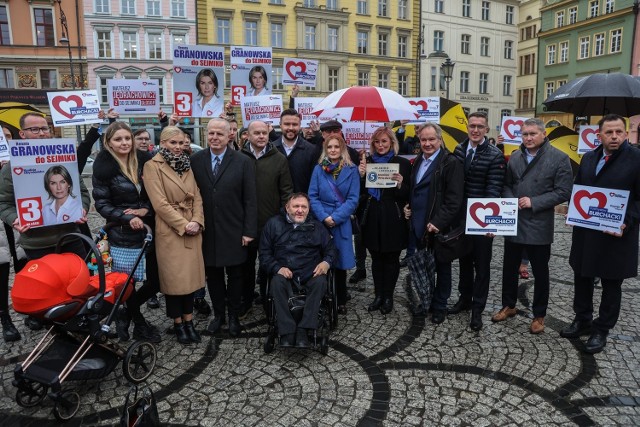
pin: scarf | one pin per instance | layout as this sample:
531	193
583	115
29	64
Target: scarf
332	168
179	163
376	193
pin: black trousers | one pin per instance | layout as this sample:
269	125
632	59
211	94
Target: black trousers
223	294
179	305
340	277
609	304
360	252
475	272
249	276
385	269
539	256
282	290
74	246
4	287
150	287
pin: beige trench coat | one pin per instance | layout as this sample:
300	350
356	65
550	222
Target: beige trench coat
176	201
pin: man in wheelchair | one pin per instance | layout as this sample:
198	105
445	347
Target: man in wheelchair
296	251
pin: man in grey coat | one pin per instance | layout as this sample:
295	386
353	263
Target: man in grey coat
539	176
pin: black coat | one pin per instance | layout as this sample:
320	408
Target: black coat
230	206
594	253
113	193
302	160
485	177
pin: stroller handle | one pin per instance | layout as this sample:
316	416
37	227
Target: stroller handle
104	231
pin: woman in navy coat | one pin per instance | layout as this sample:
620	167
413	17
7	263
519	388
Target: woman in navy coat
334	192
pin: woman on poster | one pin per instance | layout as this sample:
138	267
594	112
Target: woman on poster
208	103
258	82
64	206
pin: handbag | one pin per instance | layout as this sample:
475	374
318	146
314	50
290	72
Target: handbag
141	411
451	246
355	222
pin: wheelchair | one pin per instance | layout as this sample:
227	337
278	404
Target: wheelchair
327	316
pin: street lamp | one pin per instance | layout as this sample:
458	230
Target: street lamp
65	40
447	71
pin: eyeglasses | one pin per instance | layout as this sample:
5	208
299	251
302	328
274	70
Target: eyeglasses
37	129
477	127
140	138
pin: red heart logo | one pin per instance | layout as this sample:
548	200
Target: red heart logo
234	67
17	171
473	211
294	67
581	194
65	217
61	104
177	69
511	127
422	104
587	137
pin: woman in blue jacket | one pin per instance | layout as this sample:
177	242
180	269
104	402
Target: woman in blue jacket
334	192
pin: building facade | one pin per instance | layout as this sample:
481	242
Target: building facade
526	80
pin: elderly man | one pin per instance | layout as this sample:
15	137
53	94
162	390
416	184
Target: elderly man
539	176
612	256
227	183
302	262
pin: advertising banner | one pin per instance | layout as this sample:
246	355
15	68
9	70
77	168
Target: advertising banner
510	129
428	108
587	138
75	107
250	72
133	96
379	175
492	215
265	108
299	71
4	147
597	208
358	134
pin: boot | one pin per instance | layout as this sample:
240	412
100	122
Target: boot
181	333
387	306
143	331
9	331
123	320
193	335
375	305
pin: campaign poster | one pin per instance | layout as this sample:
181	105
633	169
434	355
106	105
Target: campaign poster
305	106
587	138
358	134
597	208
46	181
133	96
492	215
250	72
379	175
198	81
4	147
74	107
428	108
299	71
265	108
510	129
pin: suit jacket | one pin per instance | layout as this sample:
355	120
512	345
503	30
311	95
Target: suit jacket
302	160
230	206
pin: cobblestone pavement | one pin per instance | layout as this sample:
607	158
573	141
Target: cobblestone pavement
381	370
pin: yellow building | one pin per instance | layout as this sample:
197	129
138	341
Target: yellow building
357	42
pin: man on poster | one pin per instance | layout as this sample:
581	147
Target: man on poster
612	256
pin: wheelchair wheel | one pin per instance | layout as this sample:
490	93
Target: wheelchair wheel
66	406
33	396
324	345
269	343
139	361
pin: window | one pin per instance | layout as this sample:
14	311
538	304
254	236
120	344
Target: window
402	46
403	9
270	2
615	41
573	15
549	89
103	92
251	33
178	8
154	47
6	78
382	8
560	19
434	78
276	76
505	113
363	7
103	44
44	27
403	84
584	47
103	6
332	34
508	49
560	83
483	110
48	79
332	4
309	3
527	64
363	78
594	6
525	98
466	8
153	7
506	86
483	82
383	45
160	88
551	54
608	6
438	6
564	52
464	81
223	30
438	41
598	44
333	79
485	11
484	46
466	110
276	34
363	42
309	36
465	43
509	16
383	80
129	45
178	39
128	7
5	33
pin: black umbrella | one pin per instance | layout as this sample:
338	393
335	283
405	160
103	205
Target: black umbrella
598	94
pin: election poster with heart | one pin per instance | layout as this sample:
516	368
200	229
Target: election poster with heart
74	107
250	72
45	181
133	96
198	81
491	215
264	108
428	108
4	147
587	138
597	208
299	72
305	106
358	134
510	129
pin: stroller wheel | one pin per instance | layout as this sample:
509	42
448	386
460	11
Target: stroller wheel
67	406
139	361
31	397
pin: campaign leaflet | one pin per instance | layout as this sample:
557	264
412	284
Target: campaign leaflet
4	147
428	108
510	129
74	107
358	134
250	72
264	108
379	175
587	138
492	215
597	208
45	181
133	96
198	80
297	71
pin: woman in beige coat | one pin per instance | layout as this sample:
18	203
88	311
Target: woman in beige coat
176	200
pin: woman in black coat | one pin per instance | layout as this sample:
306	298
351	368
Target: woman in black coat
384	227
120	197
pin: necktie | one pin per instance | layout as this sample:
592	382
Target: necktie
601	163
216	167
606	158
467	160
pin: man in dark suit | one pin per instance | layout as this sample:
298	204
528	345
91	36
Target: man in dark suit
612	256
227	184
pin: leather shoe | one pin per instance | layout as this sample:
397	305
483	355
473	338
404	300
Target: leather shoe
375	305
301	338
33	323
287	340
215	325
461	305
438	316
476	320
596	342
123	320
181	333
143	331
9	331
153	302
357	276
537	326
234	326
193	335
504	314
576	329
387	306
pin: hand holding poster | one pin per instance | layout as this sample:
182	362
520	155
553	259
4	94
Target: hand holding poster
133	96
300	71
510	129
597	208
358	134
587	138
428	108
379	175
45	181
75	107
250	72
496	216
265	108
